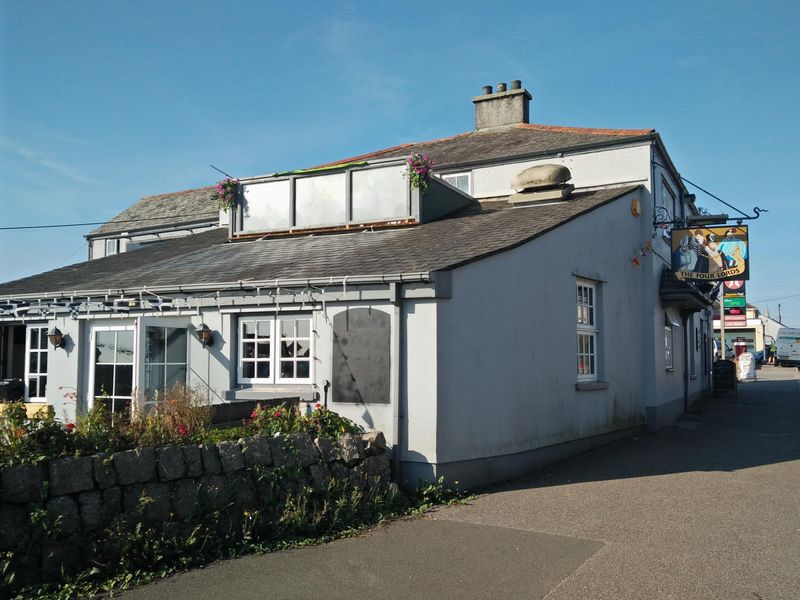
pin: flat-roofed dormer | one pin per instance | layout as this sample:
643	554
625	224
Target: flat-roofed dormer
357	195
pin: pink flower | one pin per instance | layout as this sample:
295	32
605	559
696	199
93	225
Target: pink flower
254	414
277	414
182	431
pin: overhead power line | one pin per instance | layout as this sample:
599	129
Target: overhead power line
774	299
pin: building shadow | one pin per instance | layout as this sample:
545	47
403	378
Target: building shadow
760	426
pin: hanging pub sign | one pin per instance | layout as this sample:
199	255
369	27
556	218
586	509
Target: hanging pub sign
710	253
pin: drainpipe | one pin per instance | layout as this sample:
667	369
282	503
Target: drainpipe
685	324
396	296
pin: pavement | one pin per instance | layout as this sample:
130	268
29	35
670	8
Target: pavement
708	508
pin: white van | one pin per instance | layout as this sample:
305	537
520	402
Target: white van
788	352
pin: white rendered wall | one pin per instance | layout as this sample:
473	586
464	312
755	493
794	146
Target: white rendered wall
617	166
507	341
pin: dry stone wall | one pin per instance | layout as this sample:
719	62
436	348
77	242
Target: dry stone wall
156	485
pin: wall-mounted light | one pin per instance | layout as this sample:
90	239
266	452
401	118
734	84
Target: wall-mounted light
205	335
56	337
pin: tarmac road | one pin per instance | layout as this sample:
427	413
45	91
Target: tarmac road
708	509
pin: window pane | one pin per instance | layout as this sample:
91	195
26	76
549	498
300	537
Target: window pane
34	339
303	369
124	347
264	329
42	386
42	362
104	347
153	380
287	369
103	380
266	206
320	200
43	338
287	328
123	386
303	349
303	328
248	350
249	330
263	370
287	349
176	375
33	387
248	370
379	194
176	345
154	345
263	350
34	362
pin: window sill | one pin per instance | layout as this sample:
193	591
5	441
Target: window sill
305	392
588	386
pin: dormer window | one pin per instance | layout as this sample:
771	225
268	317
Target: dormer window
462	181
352	196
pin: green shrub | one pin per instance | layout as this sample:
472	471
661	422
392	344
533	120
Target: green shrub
181	416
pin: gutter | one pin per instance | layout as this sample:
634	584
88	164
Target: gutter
250	284
210	222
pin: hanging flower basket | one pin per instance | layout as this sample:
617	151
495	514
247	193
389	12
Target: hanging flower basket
228	191
418	169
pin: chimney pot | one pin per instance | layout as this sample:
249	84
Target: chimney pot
501	87
516	84
487	89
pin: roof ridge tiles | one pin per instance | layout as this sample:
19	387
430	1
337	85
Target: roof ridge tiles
165	194
589	130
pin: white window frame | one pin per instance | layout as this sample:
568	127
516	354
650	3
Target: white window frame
587	328
39	373
447	176
274	358
670	323
669	348
115	246
92	362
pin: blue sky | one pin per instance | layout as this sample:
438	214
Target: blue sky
104	102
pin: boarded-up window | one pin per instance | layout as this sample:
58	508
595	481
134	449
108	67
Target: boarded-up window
361	350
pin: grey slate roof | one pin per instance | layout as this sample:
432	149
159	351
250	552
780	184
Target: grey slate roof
519	140
469	235
178	208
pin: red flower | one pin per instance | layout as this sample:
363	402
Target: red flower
254	414
70	427
182	431
278	414
318	406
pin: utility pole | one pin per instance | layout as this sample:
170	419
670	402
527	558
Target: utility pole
779	314
722	324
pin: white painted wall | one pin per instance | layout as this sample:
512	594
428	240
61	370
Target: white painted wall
507	341
627	165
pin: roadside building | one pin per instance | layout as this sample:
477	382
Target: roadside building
515	309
